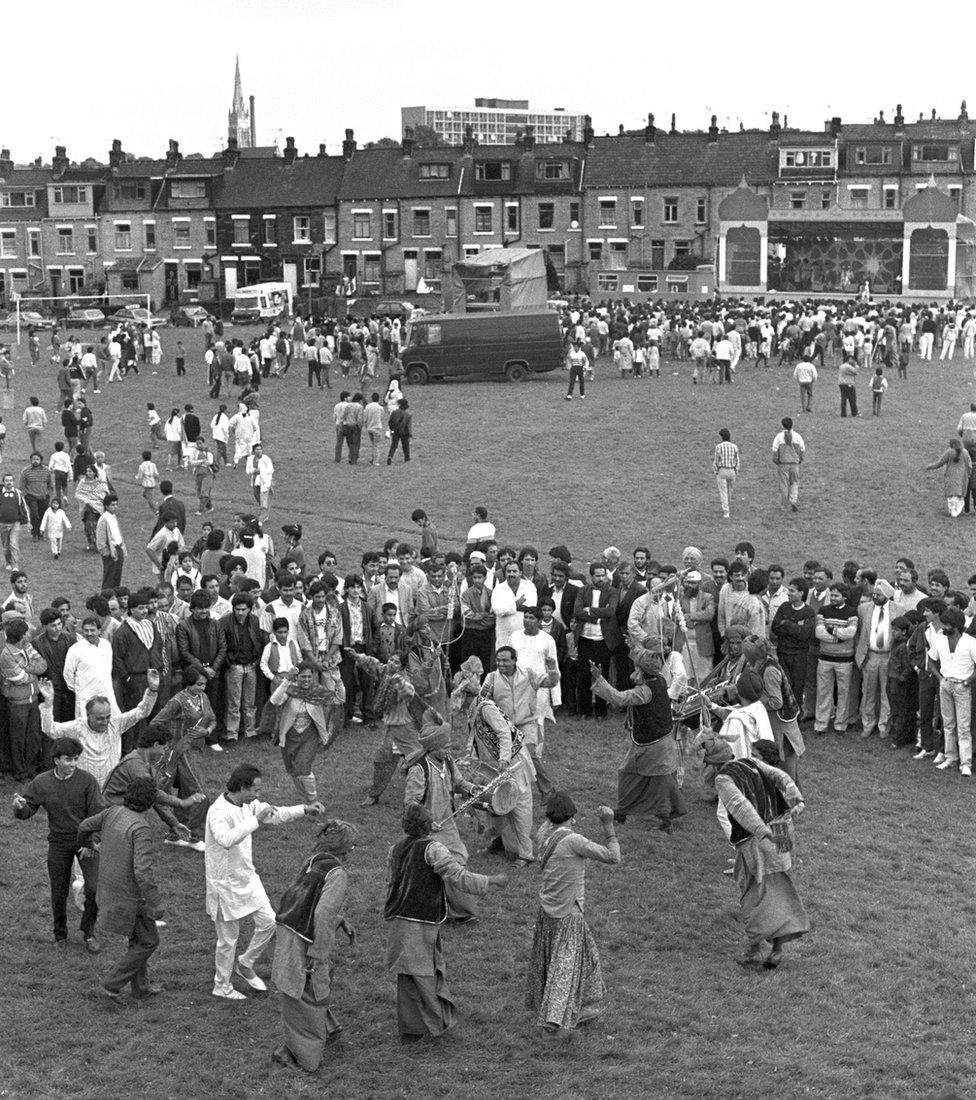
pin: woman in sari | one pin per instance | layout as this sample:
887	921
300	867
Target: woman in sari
780	703
761	801
309	915
90	493
565	981
958	468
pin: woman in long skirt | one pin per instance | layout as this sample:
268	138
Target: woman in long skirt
762	801
309	915
565	981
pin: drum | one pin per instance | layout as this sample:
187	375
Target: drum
504	798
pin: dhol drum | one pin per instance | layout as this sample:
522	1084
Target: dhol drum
498	796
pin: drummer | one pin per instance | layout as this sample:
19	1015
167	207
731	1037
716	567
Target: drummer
432	779
515	691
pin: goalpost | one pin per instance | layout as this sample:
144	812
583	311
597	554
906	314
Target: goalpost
22	303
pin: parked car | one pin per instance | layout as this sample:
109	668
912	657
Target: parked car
136	315
386	307
482	345
85	318
28	317
188	316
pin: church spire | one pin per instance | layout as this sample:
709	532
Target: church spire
238	102
239	115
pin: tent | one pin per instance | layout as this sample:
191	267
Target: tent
514	278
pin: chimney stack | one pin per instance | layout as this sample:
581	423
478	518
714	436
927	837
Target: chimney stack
232	153
529	140
6	163
408	142
467	142
173	154
116	156
774	127
674	123
835	126
587	131
933	114
322	151
59	162
518	137
713	130
881	118
649	131
290	151
963	113
349	145
254	123
899	120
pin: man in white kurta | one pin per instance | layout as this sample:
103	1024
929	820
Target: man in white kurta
508	600
234	888
88	669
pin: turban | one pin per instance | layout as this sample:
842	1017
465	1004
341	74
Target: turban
693	576
736	633
646	660
693	553
749	686
337	836
417	820
436	735
473	667
883	588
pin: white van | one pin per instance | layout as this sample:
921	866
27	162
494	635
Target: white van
262	302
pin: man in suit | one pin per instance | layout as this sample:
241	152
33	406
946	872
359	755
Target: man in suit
597	635
136	648
871	654
390	590
202	646
628	589
357	635
563	591
169	506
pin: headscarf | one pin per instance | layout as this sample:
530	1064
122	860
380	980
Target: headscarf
337	836
694	553
417	820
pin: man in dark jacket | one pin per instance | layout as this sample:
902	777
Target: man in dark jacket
245	642
169	507
202	646
597	635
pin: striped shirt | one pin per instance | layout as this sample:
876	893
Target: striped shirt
726	457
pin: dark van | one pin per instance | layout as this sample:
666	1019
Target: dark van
482	345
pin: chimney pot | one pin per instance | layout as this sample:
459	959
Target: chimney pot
650	132
674	127
349	145
963	113
881	117
713	129
774	127
322	149
933	114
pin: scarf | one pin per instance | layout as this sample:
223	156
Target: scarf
298	903
551	844
766	799
316	695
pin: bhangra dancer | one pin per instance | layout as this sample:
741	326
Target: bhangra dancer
392	702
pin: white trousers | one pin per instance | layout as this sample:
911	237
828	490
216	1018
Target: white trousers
227	934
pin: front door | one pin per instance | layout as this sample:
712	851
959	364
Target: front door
230	281
171	277
410	269
55	283
289	275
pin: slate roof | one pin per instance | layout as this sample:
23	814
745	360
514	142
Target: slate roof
682	160
387	174
310	181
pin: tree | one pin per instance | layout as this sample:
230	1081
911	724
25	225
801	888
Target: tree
426	137
383	143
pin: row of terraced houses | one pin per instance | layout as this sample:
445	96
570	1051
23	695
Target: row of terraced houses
641	213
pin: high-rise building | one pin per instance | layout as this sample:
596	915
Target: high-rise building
240	117
494	121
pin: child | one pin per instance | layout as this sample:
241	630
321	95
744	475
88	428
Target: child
903	354
428	534
185	567
54	524
180	358
155	425
878	386
148	476
60	466
902	685
654	361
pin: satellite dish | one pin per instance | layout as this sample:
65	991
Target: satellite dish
574	225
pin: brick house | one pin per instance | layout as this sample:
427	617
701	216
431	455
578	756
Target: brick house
23	208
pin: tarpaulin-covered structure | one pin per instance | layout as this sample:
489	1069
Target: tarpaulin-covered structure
510	278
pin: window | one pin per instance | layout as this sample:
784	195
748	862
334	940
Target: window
421	223
371	267
557	253
329	226
311	270
682	248
181	234
657	255
701	212
302	228
149	231
552	170
129	191
428	334
858	197
618	256
389	225
826	200
607	281
129	281
271	229
891	198
17	198
435	171
547	215
608	213
482	219
678	284
595	249
34	242
242	230
511	217
65	239
798	200
123	237
68	195
450	215
92	233
637	213
188	189
76	280
808	158
878	154
939	151
432	263
647	284
8	243
361	228
670	216
194	274
574	214
955	193
489	170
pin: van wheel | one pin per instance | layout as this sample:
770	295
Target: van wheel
515	372
417	376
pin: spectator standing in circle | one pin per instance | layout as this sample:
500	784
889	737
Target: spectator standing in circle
578	364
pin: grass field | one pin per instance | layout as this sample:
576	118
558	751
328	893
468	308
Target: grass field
877	1002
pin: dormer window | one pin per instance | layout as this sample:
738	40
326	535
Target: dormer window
435	171
872	154
936	151
129	191
552	170
489	170
17	198
66	196
808	158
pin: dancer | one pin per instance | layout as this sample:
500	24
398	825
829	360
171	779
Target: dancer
309	716
565	981
391	703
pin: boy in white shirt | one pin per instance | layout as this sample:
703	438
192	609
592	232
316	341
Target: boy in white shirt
60	466
148	477
54	524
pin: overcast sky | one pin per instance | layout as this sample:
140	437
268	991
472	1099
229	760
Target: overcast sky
145	73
